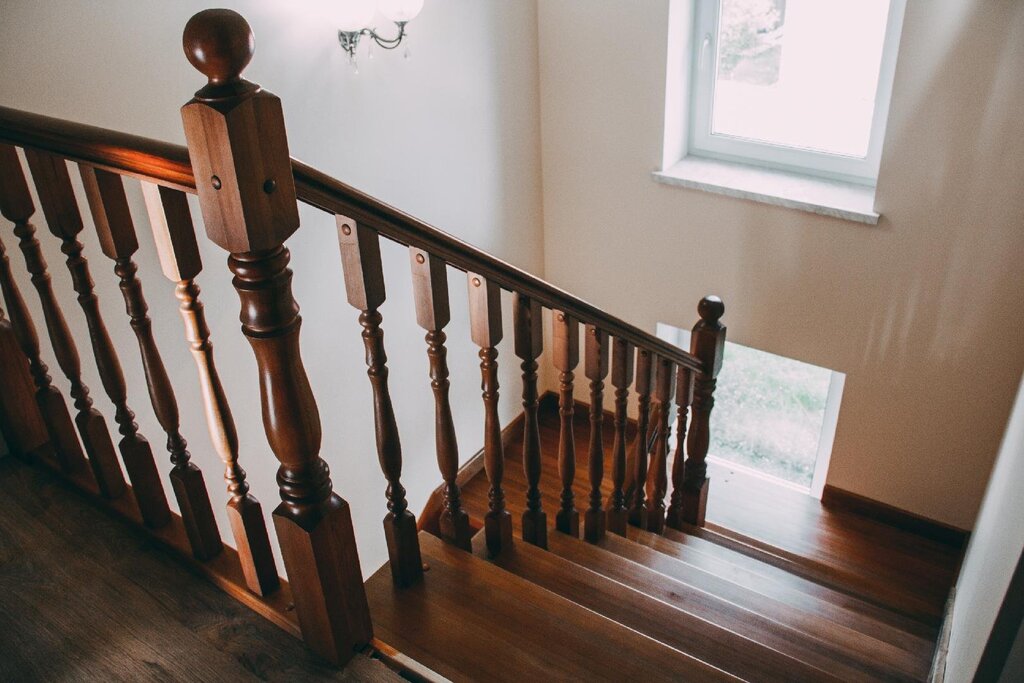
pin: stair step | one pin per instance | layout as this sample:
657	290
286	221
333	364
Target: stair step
673	613
468	621
820	631
779	584
764	570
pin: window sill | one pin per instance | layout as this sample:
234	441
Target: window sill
833	198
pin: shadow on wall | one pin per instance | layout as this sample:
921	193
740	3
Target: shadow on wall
923	312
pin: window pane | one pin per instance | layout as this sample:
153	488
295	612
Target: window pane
799	73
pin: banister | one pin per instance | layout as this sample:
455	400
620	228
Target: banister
168	164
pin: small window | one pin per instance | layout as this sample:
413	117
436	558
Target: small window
801	85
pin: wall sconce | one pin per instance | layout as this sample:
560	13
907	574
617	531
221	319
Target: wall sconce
355	17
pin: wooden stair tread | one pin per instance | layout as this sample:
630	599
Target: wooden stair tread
808	637
771	580
468	620
676	614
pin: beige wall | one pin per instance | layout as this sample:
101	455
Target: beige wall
923	312
452	136
992	556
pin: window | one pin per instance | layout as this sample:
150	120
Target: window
773	416
798	85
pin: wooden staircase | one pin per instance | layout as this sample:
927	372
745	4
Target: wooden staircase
504	577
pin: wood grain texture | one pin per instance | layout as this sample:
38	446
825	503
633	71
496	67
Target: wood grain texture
118	240
171	222
20	420
364	286
471	622
84	596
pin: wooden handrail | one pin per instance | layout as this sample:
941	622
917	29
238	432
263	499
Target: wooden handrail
168	164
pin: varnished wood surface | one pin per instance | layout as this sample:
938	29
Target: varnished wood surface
874	564
168	164
85	597
469	622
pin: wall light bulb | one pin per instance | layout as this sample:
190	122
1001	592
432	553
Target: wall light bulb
355	15
401	11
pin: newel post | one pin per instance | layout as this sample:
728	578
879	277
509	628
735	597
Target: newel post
236	140
708	344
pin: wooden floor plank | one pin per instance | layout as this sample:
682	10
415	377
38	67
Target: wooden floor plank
86	597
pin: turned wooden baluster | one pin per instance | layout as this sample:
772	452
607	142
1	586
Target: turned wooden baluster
596	369
617	516
707	343
239	152
430	288
364	287
116	231
645	363
90	423
21	423
657	479
63	219
684	396
566	351
174	234
528	330
485	328
16	206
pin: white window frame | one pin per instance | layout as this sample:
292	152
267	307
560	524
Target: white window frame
863	171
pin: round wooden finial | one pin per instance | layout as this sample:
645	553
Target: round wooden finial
711	309
219	43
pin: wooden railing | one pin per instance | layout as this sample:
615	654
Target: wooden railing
237	162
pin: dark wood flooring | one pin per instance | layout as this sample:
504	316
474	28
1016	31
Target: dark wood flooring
85	597
891	567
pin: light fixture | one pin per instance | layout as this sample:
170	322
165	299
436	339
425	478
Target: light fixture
354	17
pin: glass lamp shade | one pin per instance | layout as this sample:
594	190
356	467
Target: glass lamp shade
355	15
400	10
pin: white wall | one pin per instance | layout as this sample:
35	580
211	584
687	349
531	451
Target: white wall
923	312
992	555
451	135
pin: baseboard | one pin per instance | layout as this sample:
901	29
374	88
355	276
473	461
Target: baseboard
946	534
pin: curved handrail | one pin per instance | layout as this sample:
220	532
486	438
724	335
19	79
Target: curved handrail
168	164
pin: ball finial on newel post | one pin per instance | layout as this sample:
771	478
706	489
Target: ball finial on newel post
711	309
219	44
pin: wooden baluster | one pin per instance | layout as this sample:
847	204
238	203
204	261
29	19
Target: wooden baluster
430	287
239	152
566	343
91	426
617	516
485	328
645	364
116	231
364	286
657	479
528	330
684	396
20	420
63	219
596	368
16	206
175	238
707	343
